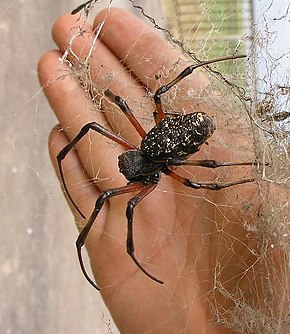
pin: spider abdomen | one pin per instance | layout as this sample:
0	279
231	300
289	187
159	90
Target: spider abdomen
134	165
177	137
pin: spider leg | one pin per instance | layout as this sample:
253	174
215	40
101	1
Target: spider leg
90	126
129	214
208	163
80	7
122	104
170	113
203	185
187	71
131	187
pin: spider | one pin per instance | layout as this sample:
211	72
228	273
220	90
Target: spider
169	143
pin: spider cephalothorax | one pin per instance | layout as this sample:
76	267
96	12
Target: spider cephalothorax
133	164
168	143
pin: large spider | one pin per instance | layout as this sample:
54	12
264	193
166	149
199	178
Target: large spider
169	143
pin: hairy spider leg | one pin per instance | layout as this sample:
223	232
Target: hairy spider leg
122	104
208	163
131	187
129	214
95	127
187	71
202	185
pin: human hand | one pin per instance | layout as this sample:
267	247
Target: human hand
190	239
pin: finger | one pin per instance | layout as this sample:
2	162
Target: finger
143	51
106	71
73	110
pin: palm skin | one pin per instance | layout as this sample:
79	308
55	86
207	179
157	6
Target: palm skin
190	239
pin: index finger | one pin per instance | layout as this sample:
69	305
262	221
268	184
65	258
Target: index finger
142	45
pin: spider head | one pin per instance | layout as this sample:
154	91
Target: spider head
135	166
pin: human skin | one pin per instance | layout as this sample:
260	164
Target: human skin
181	235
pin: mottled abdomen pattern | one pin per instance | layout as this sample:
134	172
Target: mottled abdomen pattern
177	137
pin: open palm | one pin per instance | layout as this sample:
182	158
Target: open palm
193	240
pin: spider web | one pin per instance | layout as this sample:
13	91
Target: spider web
251	110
